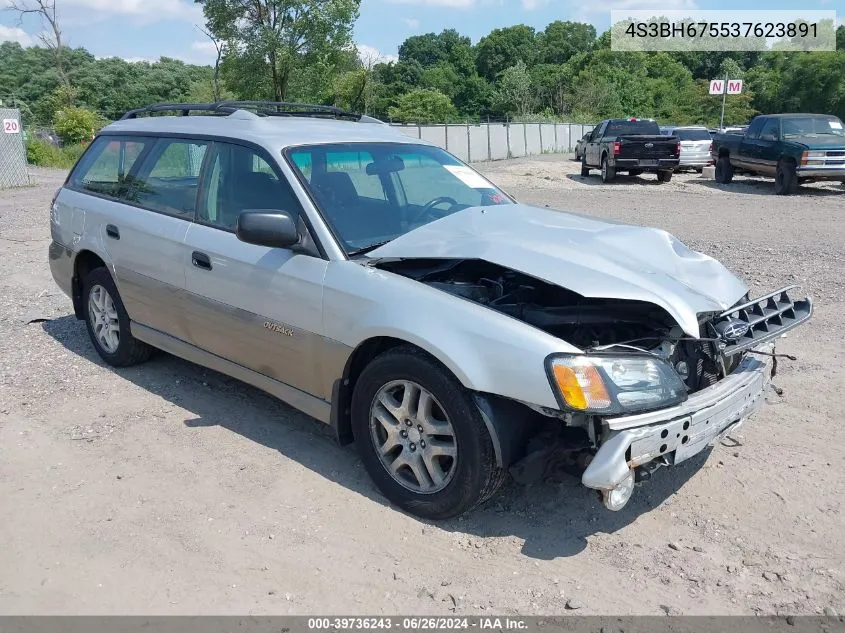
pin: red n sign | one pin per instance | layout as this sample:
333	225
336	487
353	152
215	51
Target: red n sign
717	86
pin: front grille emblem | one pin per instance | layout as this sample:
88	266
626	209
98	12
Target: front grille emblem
731	330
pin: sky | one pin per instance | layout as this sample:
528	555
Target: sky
148	29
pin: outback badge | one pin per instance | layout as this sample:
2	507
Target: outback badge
278	328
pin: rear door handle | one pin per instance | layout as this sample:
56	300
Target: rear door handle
201	260
112	231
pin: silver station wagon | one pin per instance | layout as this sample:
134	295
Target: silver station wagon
380	285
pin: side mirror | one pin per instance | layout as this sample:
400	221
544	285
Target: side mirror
268	227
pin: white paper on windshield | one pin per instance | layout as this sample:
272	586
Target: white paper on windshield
468	177
836	125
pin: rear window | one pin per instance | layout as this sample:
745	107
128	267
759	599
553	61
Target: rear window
620	128
107	163
692	135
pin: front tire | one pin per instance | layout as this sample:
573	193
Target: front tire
108	322
786	179
608	173
421	436
585	171
724	170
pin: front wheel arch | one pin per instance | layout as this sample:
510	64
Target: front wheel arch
509	423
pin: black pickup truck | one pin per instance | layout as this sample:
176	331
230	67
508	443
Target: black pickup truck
631	145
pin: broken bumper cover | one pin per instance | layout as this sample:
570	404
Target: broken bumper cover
679	432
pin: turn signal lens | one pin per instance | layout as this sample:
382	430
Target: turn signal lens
581	386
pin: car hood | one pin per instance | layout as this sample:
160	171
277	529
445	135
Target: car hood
825	142
594	258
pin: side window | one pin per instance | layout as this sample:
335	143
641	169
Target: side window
753	131
168	178
600	130
770	131
107	164
237	179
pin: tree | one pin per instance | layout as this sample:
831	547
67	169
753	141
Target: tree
390	82
447	47
550	83
77	125
562	40
513	94
502	48
220	48
423	105
52	40
276	38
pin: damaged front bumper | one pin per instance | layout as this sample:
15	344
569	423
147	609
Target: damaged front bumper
670	436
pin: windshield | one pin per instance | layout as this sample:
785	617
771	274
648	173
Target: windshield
371	193
620	128
812	126
693	135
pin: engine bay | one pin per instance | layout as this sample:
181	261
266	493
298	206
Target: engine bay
625	326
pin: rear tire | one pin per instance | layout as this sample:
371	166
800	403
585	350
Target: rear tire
608	173
786	179
664	176
585	171
724	170
108	323
414	470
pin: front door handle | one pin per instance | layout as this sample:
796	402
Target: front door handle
201	260
112	231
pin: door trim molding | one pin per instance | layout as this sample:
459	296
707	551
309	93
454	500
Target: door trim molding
308	404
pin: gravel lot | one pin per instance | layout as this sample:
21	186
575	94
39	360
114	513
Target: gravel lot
166	488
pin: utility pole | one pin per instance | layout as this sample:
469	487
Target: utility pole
724	96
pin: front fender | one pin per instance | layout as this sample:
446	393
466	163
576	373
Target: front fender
486	350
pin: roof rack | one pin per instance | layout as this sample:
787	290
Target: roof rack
261	108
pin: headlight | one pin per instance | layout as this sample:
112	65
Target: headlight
614	384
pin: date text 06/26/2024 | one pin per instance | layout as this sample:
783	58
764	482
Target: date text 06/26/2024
416	623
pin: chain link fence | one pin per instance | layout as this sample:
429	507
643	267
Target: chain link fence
13	170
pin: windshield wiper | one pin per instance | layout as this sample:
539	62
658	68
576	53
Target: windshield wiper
367	249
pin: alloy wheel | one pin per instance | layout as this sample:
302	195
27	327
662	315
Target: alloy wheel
104	320
413	437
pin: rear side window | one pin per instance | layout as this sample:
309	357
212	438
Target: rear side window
167	180
107	164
